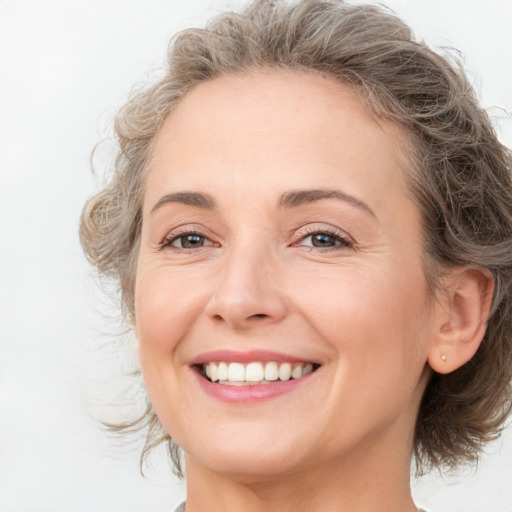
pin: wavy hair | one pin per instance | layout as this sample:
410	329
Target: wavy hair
460	180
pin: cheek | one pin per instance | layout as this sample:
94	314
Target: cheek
371	314
378	327
166	304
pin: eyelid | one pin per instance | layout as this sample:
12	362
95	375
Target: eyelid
187	229
312	229
302	233
345	240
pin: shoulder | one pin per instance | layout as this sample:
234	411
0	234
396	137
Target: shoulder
180	507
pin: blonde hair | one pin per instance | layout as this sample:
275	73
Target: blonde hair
461	179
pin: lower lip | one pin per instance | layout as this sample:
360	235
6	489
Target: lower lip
250	394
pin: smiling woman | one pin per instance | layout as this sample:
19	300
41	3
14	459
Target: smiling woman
310	221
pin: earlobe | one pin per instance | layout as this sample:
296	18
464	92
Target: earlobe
461	319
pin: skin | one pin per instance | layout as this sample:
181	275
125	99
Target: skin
361	308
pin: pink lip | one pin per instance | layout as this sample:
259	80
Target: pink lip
250	394
250	356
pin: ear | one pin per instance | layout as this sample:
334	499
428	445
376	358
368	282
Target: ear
461	318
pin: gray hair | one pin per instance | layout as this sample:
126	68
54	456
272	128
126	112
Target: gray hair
460	179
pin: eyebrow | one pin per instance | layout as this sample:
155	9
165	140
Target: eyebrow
291	199
197	199
295	198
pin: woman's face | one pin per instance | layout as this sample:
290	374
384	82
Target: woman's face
278	230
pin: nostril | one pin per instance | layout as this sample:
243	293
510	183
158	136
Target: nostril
259	315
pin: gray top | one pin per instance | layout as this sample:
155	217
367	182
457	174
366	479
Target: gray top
181	508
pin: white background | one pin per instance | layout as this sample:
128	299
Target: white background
65	69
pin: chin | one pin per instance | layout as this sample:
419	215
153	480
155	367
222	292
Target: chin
248	457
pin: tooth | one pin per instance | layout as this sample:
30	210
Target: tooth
236	372
223	371
285	371
254	372
213	372
297	371
307	369
271	371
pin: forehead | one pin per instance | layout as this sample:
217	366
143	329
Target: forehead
270	126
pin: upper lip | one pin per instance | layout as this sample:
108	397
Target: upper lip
231	356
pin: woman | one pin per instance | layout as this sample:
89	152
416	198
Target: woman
310	221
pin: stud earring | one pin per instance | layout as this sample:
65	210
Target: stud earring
443	357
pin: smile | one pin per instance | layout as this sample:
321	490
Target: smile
254	373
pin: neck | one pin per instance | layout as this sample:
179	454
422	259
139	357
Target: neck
361	485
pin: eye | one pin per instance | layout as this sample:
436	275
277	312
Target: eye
324	240
189	240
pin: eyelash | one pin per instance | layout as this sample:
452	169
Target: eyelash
343	241
173	237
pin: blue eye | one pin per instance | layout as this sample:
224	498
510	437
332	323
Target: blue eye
325	240
187	241
190	241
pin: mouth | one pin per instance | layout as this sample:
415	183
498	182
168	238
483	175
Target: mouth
254	373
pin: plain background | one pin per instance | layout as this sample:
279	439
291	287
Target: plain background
65	69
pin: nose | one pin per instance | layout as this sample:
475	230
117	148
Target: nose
247	292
